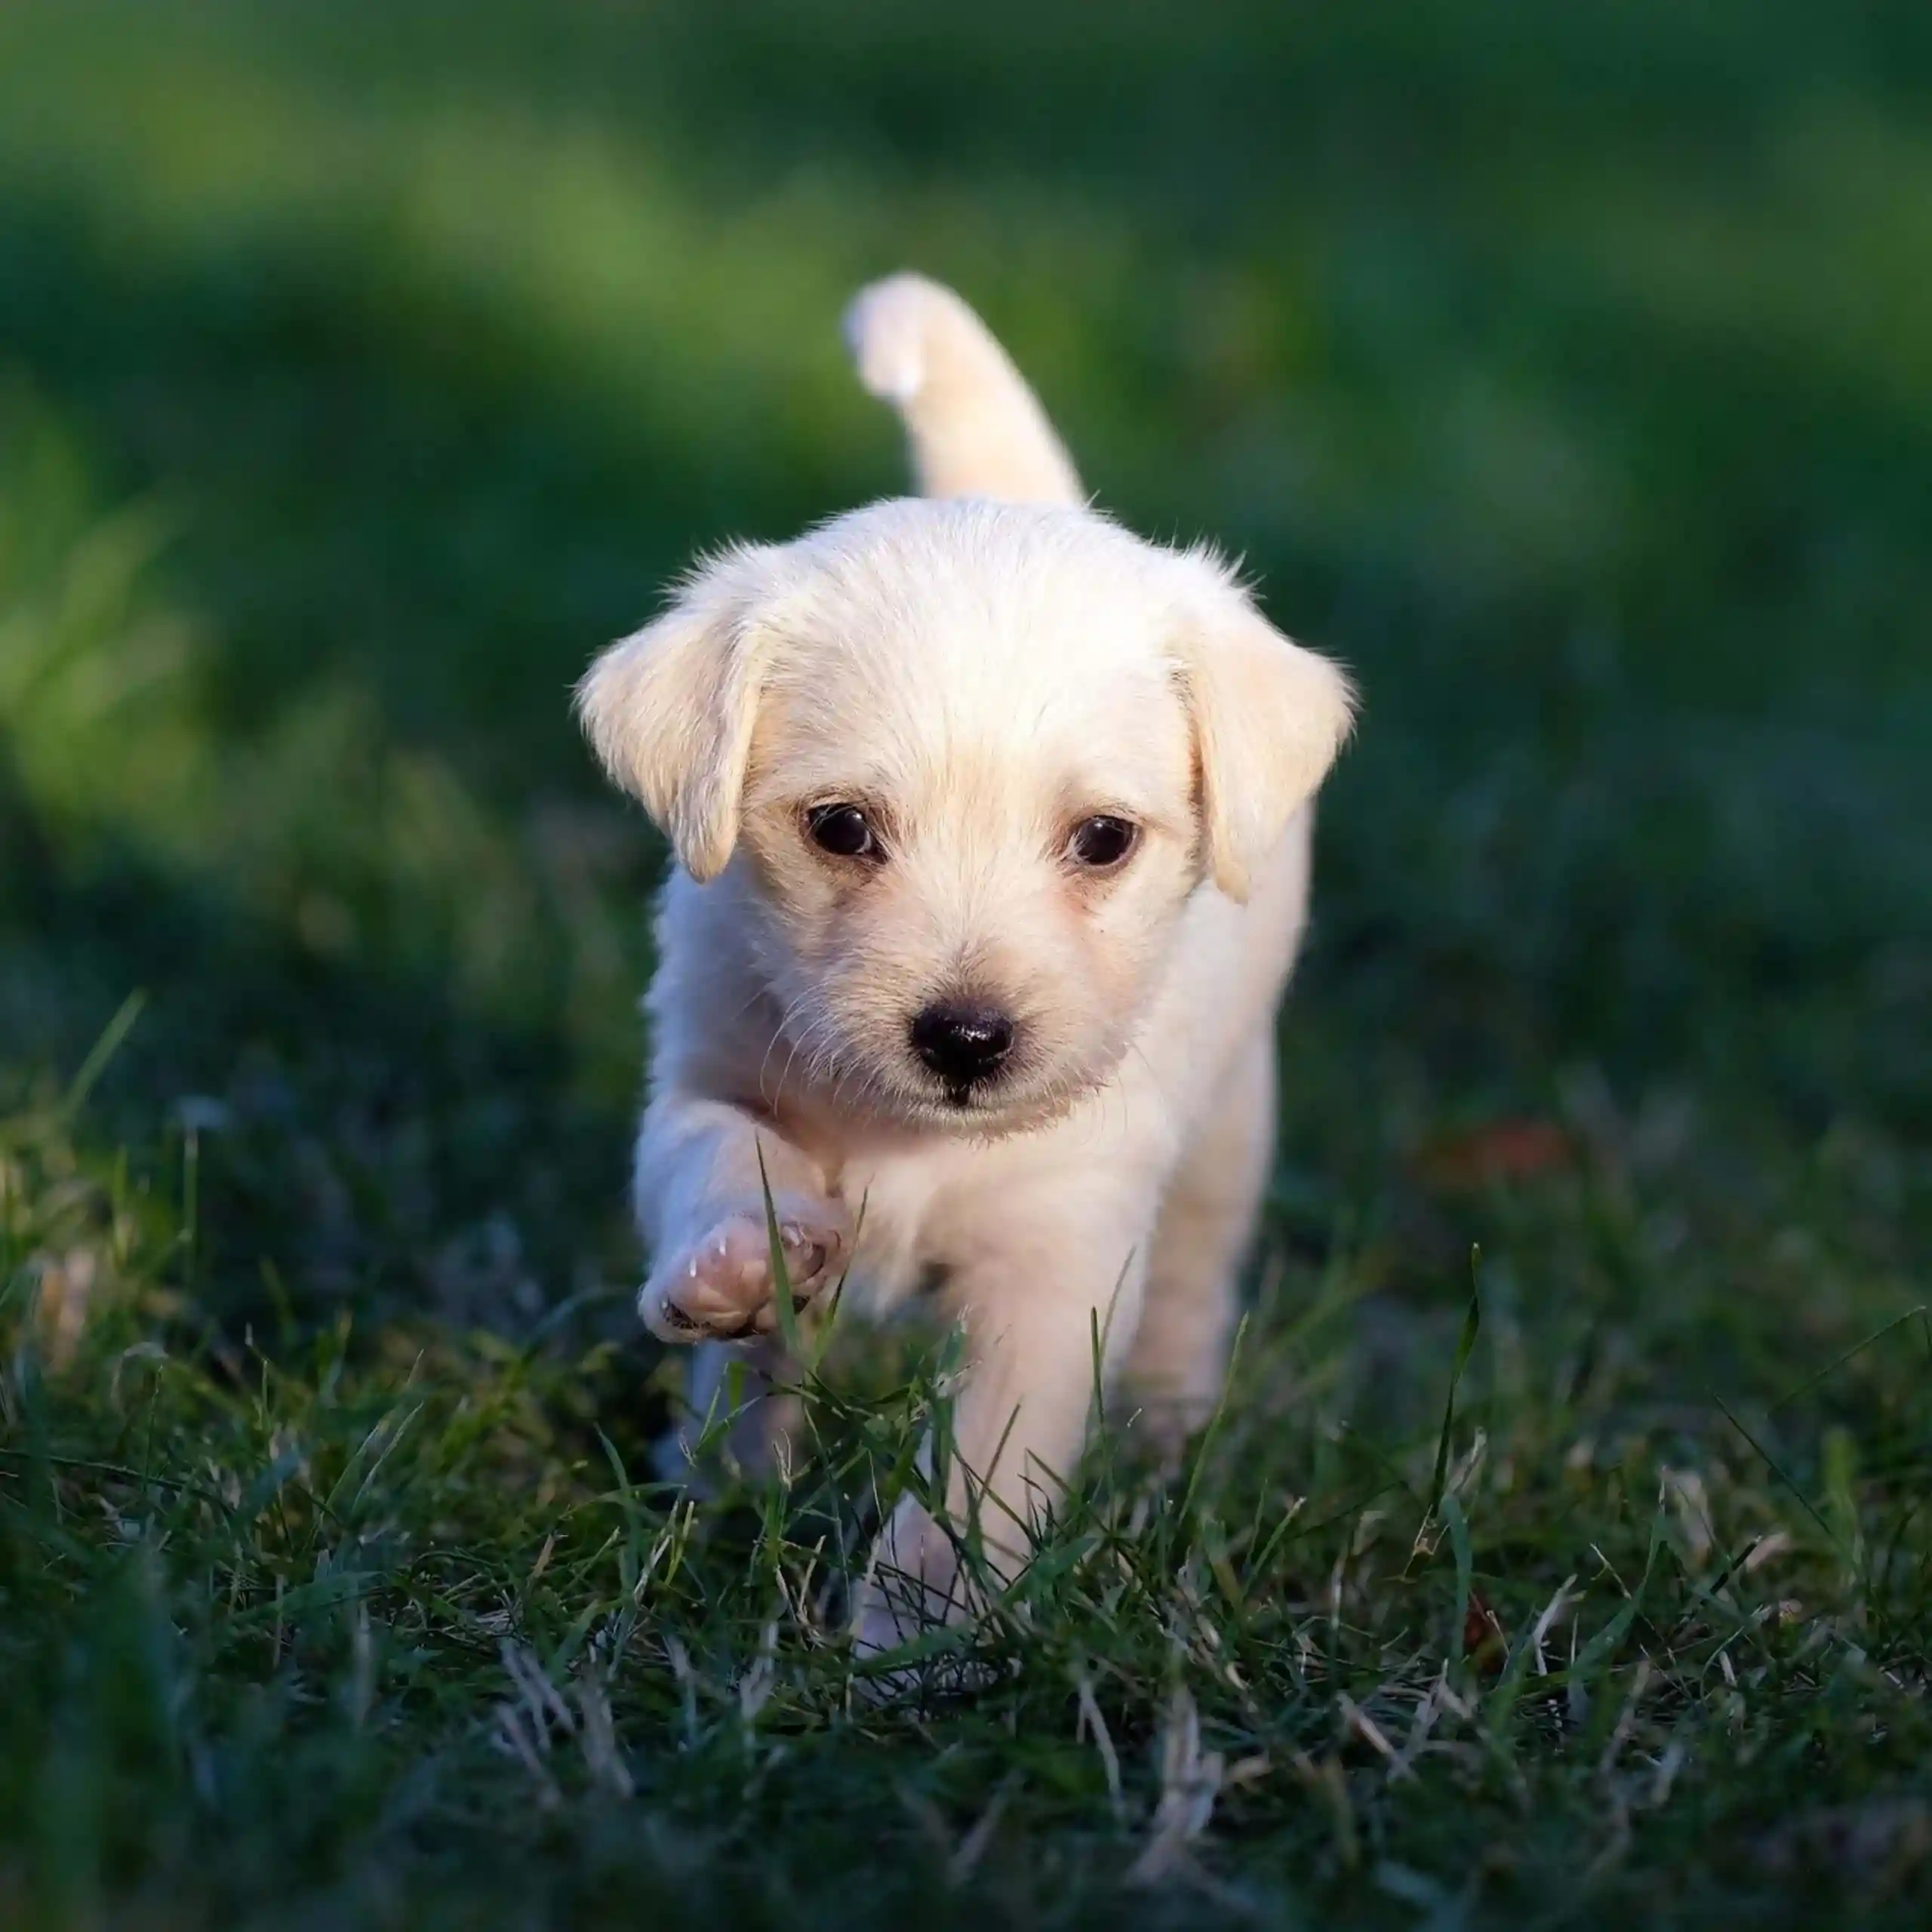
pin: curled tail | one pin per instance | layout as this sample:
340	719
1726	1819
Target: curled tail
973	426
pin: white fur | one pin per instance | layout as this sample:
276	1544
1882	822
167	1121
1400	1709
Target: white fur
981	675
973	427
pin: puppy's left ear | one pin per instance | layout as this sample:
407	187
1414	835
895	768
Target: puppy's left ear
1269	717
670	709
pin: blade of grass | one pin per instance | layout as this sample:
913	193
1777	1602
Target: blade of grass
1466	1344
781	1275
1458	1526
1771	1463
102	1051
1832	1368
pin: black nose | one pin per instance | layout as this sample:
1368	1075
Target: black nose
963	1043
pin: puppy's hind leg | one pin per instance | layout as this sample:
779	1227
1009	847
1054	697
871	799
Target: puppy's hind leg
973	426
1180	1357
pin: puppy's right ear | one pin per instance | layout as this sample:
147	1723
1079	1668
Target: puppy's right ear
670	709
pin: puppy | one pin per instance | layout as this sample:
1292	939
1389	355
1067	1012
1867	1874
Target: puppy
992	827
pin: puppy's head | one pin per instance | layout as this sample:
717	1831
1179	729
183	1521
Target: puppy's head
971	760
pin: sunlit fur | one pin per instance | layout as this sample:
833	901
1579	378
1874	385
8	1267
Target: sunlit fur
978	677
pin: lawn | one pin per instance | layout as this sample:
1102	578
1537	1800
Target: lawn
1559	1556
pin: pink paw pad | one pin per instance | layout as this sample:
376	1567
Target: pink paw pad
721	1287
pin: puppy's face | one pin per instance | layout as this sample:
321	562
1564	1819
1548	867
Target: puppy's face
972	834
973	760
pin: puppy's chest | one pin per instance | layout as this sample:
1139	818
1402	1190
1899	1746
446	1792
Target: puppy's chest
905	1205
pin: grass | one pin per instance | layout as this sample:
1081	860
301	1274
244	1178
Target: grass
1565	371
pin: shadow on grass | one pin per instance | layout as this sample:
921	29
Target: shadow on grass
407	503
364	1141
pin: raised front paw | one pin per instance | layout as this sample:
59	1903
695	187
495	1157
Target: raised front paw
720	1287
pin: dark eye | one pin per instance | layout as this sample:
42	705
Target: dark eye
1100	842
843	830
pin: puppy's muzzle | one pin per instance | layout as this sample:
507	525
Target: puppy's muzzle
964	1043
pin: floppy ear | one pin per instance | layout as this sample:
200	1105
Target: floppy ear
1269	717
670	709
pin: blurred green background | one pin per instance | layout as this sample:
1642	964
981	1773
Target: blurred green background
1566	370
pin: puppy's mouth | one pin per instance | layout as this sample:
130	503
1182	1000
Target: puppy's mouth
993	1114
967	1098
970	1097
1023	1096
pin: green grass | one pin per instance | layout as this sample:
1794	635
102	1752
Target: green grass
1566	370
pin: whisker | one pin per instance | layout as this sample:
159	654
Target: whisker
781	1031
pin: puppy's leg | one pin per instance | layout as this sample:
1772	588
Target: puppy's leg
1179	1356
1032	1307
700	1195
736	1404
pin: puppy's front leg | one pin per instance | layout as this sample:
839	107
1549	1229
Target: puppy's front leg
1032	1305
700	1195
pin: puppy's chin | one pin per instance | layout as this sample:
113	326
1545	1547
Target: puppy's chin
985	1116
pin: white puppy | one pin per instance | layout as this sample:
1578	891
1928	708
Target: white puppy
992	822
